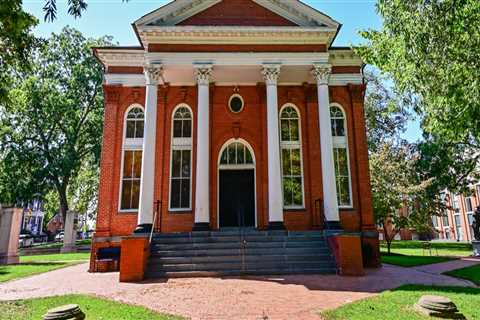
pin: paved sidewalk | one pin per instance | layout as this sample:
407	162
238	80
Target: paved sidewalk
276	297
439	268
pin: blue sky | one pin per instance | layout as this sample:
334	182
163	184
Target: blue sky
114	18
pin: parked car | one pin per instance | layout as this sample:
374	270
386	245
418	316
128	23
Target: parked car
25	240
59	236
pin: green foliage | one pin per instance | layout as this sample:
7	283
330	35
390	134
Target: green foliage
53	120
431	50
407	261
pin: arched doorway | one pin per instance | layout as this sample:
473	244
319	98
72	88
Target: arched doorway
236	185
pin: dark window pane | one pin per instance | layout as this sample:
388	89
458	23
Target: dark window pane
126	194
186	163
297	191
338	128
296	168
232	157
285	130
175	194
130	129
177	128
176	163
287	192
139	129
248	156
236	104
345	200
224	158
185	198
187	128
294	131
287	169
127	164
135	193
240	154
137	164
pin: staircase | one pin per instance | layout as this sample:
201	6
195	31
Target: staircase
238	252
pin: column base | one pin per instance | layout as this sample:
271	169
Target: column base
143	228
201	226
276	225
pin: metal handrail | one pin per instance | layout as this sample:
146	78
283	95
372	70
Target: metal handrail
157	204
321	211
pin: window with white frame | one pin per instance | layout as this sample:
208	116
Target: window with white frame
181	159
468	205
478	190
291	150
341	156
132	159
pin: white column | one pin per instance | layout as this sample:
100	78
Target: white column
275	197
202	186
153	74
321	72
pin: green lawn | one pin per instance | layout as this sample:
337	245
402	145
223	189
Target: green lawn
398	304
82	242
94	309
469	273
410	253
31	265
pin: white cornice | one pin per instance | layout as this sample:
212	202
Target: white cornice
238	59
235	35
121	57
345	57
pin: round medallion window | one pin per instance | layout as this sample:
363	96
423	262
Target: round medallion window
235	103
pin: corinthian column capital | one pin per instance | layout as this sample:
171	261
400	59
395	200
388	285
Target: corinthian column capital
321	72
270	73
153	73
203	74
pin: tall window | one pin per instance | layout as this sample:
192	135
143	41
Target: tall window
291	149
340	156
132	159
181	155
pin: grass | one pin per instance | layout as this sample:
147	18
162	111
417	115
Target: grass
398	304
82	242
32	265
93	307
469	273
410	253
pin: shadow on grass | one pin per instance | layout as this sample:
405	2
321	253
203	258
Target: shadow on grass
436	290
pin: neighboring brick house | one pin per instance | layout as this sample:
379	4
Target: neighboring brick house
456	223
235	113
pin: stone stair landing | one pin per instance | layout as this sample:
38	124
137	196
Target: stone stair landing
239	252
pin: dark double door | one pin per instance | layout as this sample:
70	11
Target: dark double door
237	198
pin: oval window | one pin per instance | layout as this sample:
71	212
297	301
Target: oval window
236	103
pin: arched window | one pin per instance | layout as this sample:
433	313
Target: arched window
341	156
181	159
291	149
132	159
236	153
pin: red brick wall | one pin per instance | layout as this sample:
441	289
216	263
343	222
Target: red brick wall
249	125
236	13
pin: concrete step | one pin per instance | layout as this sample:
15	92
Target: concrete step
248	238
235	232
231	273
238	251
238	245
159	260
219	266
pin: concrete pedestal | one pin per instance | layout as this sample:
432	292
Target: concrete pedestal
70	236
476	248
10	221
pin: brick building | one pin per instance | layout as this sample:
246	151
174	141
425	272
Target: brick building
456	223
235	113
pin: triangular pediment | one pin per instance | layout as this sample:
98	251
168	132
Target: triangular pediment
265	13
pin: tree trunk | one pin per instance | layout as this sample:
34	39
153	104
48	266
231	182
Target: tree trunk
62	197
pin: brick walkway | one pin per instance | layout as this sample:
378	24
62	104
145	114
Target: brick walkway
277	297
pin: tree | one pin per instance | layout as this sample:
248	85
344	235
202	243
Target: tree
53	120
431	49
386	113
75	8
396	186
